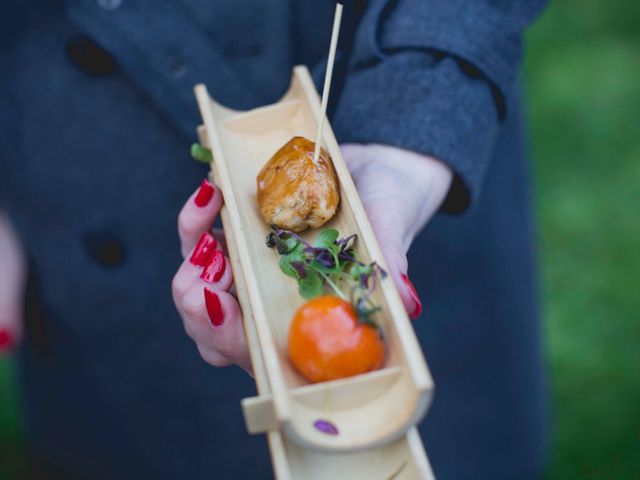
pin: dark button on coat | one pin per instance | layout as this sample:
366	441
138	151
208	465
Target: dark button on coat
105	248
89	56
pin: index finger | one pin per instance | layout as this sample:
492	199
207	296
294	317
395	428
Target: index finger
198	215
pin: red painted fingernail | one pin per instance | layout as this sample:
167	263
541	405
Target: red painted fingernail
214	267
204	194
6	340
204	249
412	290
214	308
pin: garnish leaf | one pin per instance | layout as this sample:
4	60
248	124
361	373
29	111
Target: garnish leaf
327	238
323	267
293	263
284	243
300	268
292	244
311	286
325	260
358	271
287	268
328	264
201	154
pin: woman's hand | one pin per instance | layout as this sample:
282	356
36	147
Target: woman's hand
400	190
12	284
201	287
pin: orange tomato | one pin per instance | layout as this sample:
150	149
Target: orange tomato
326	341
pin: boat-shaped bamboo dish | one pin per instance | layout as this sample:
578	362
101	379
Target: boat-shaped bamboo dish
368	410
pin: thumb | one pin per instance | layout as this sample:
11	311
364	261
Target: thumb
390	207
395	256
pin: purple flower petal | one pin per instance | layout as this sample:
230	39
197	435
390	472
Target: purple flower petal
325	426
325	259
299	266
283	234
344	242
346	256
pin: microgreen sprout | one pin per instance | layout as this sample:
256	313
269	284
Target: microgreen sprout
331	263
201	154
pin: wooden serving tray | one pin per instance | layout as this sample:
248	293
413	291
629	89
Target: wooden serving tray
373	410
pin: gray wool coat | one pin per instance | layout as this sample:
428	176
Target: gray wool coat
96	116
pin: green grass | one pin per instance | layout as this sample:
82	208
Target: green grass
583	81
12	456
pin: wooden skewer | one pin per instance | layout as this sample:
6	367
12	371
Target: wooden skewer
327	79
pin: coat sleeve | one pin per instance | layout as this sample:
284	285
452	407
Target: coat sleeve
436	77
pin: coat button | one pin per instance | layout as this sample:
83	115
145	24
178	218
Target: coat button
105	249
90	57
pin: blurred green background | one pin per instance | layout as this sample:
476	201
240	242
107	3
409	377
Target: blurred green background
583	84
583	81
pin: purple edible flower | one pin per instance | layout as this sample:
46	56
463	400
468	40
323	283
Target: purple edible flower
325	259
381	271
281	233
271	241
299	266
344	242
347	255
325	426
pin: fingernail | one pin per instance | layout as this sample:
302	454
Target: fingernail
414	294
214	268
204	194
214	308
6	340
204	249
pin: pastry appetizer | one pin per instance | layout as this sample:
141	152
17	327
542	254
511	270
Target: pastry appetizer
293	192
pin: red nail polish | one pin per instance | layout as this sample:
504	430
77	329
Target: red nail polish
204	194
6	340
204	249
214	308
414	294
214	267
